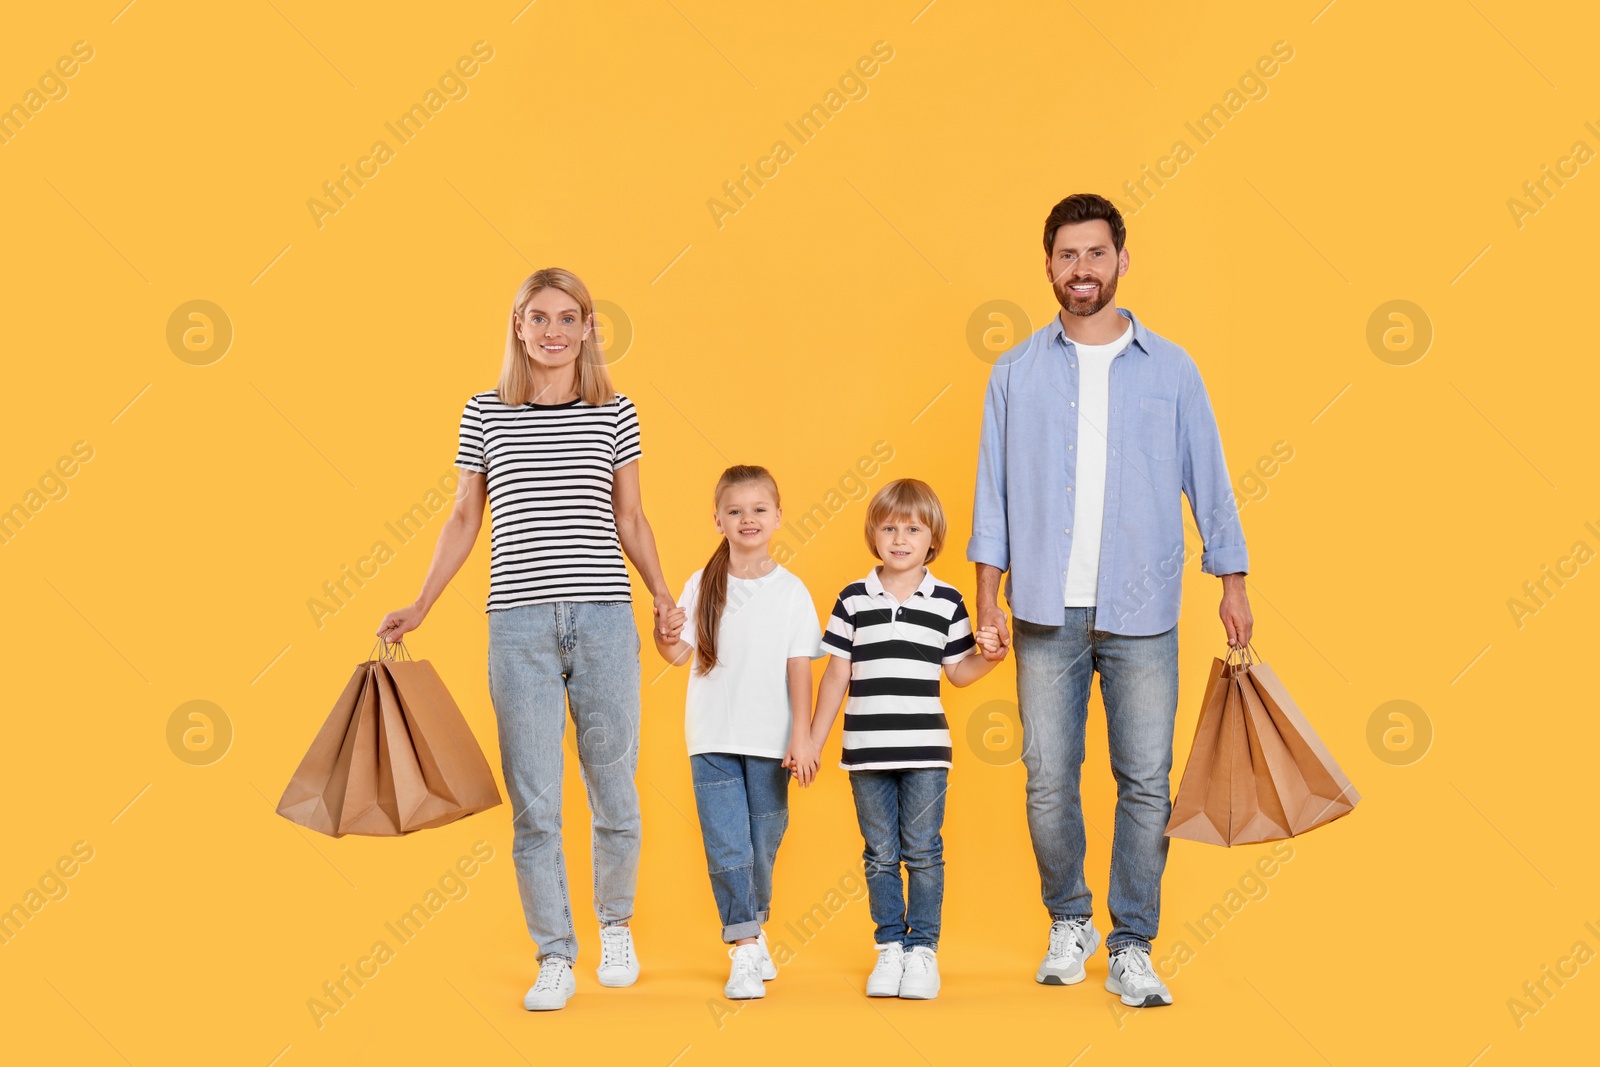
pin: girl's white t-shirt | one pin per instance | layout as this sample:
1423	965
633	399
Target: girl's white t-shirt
742	706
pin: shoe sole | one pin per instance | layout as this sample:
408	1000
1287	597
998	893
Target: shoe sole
1056	979
614	984
1151	1000
920	996
747	996
547	1006
895	992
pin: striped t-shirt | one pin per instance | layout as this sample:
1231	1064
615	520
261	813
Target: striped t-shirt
548	471
893	719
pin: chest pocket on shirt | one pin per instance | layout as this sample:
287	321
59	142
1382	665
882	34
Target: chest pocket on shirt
1158	427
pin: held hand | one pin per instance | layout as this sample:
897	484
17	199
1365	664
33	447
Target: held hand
988	639
397	624
664	608
802	760
1237	621
991	617
673	625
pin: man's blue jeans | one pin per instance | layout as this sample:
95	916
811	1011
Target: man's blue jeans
1139	685
901	814
743	803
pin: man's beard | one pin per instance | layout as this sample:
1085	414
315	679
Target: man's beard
1065	297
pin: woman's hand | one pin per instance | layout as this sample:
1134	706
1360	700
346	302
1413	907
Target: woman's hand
669	619
397	624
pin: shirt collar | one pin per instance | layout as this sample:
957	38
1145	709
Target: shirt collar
1058	336
875	584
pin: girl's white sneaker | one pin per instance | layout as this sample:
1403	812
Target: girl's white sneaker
744	978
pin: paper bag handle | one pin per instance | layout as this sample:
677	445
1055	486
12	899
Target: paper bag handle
392	650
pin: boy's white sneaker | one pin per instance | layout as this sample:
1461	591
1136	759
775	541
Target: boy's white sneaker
1133	979
744	978
884	981
919	977
618	964
553	988
1071	942
769	969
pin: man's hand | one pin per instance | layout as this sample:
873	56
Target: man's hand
1235	611
993	617
988	640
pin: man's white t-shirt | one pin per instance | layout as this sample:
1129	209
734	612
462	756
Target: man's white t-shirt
1089	488
742	706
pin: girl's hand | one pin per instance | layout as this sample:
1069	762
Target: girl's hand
988	639
397	624
664	608
802	761
672	626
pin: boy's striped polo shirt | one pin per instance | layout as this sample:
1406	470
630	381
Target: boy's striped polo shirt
893	719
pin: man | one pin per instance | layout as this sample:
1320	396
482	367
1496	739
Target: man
1092	428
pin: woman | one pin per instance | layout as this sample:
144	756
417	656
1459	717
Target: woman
554	451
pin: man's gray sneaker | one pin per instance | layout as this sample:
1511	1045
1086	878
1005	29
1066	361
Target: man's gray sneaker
1134	980
1071	942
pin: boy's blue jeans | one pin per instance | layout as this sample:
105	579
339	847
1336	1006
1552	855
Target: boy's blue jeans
901	814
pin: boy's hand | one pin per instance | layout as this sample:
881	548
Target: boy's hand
988	639
802	761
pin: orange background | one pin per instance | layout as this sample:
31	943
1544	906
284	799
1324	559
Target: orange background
1439	461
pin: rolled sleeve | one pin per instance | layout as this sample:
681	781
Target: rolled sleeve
990	542
1206	482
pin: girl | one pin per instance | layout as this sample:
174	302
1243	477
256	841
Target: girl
554	451
751	636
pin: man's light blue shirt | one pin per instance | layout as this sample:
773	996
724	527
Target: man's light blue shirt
1161	442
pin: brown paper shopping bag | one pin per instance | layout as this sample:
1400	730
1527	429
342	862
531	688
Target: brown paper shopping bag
395	755
1257	770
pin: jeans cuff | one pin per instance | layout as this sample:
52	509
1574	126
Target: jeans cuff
1132	942
733	933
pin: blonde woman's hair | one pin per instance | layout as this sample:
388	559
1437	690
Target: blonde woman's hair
714	579
907	498
516	380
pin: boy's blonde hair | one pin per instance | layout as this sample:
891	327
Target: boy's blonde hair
907	498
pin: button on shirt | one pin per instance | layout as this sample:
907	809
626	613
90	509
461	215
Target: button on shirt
1161	445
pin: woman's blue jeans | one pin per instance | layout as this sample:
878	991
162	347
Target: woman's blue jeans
543	660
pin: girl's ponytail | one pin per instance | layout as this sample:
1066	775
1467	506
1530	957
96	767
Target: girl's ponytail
708	608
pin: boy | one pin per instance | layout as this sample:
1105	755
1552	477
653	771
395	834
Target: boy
888	635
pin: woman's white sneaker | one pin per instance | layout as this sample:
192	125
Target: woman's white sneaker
919	977
744	978
1071	942
769	969
884	981
619	966
1134	980
553	988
